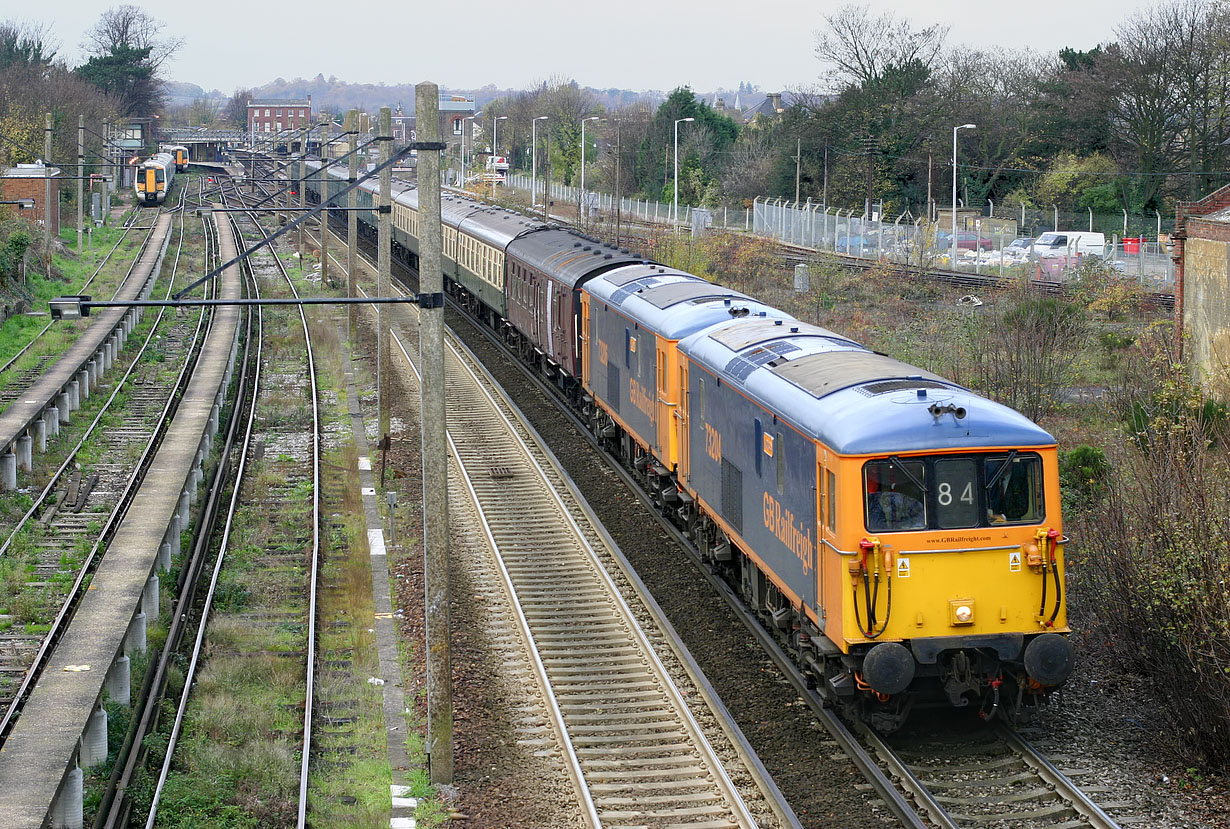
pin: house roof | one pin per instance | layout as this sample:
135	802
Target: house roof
281	102
31	171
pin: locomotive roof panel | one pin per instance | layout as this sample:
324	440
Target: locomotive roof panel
858	422
664	296
627	274
752	332
565	254
830	371
672	304
852	399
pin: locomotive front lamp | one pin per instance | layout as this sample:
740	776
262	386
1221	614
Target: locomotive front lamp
961	612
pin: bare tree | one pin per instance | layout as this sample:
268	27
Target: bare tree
859	48
236	109
1146	111
750	169
132	27
1195	33
626	128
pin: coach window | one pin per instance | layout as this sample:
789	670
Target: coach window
830	511
758	445
780	452
702	399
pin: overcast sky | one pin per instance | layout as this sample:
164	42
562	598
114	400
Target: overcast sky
628	44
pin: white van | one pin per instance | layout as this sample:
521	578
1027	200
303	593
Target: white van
1070	243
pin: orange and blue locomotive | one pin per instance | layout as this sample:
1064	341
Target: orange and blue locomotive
902	533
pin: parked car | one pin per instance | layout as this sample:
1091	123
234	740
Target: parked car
852	244
1017	250
1070	243
973	241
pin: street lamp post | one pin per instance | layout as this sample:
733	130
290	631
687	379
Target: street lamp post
495	148
952	257
675	212
465	129
583	205
534	160
495	134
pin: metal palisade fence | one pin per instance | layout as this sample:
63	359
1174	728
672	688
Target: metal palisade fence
983	244
645	210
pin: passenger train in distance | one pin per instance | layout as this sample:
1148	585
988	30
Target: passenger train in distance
900	533
179	153
154	177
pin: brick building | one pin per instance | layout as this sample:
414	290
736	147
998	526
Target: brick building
28	181
1202	287
272	115
454	109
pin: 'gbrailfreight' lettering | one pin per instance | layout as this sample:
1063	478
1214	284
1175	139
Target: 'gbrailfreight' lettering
797	537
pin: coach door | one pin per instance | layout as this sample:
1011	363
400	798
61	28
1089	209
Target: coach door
681	426
583	339
665	426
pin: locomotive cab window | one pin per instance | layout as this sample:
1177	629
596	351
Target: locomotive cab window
1014	489
895	495
956	493
953	492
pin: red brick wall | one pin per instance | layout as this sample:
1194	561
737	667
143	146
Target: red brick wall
1200	228
290	118
12	189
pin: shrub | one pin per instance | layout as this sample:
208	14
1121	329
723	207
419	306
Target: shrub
1154	567
1083	473
1023	351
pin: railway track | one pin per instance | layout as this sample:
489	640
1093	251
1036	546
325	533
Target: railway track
966	280
283	495
959	777
635	750
63	730
24	368
61	536
22	376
